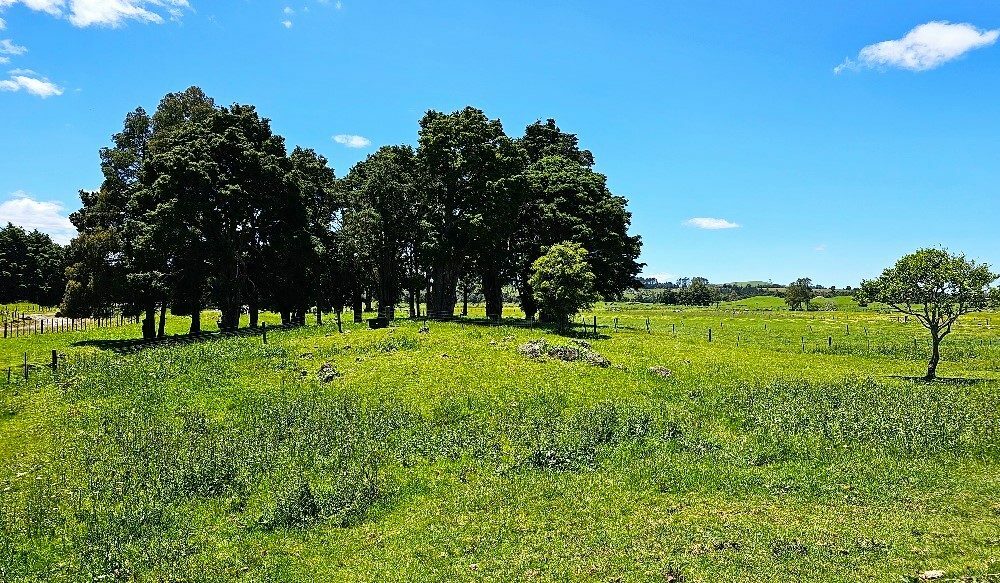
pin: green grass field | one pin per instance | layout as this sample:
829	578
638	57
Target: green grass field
792	447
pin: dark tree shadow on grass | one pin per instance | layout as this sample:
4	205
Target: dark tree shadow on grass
941	380
568	331
125	346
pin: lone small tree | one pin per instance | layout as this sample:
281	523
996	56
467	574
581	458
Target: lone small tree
563	282
799	292
935	287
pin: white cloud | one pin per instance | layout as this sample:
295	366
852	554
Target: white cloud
4	60
31	82
3	24
48	217
820	248
925	47
352	141
710	223
287	23
289	10
111	13
662	277
7	47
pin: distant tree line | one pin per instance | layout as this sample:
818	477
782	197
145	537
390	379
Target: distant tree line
32	267
203	206
697	291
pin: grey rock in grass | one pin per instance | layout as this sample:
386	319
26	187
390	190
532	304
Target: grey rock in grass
327	373
661	371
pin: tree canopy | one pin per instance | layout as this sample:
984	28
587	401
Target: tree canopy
202	205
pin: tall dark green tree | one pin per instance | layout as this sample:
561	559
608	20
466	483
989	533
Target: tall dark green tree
109	262
465	158
382	215
326	273
566	200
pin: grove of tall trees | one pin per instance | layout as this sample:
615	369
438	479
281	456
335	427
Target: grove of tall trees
31	267
203	206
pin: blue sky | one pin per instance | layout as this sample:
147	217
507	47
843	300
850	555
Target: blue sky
832	159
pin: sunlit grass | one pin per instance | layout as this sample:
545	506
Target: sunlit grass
447	455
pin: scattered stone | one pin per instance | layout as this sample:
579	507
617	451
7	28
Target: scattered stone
579	351
306	355
327	373
661	371
493	342
931	575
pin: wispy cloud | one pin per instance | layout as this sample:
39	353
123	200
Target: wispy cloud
820	248
711	224
7	47
661	276
111	13
287	23
31	82
46	216
925	47
352	141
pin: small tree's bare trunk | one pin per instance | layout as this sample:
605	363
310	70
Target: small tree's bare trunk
935	356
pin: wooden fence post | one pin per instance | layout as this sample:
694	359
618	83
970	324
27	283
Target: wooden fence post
25	366
263	329
709	334
55	360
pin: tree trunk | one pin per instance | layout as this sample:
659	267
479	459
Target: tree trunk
493	291
254	315
149	323
443	296
319	316
935	356
528	303
163	321
465	300
368	302
409	296
356	303
230	317
286	317
196	320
